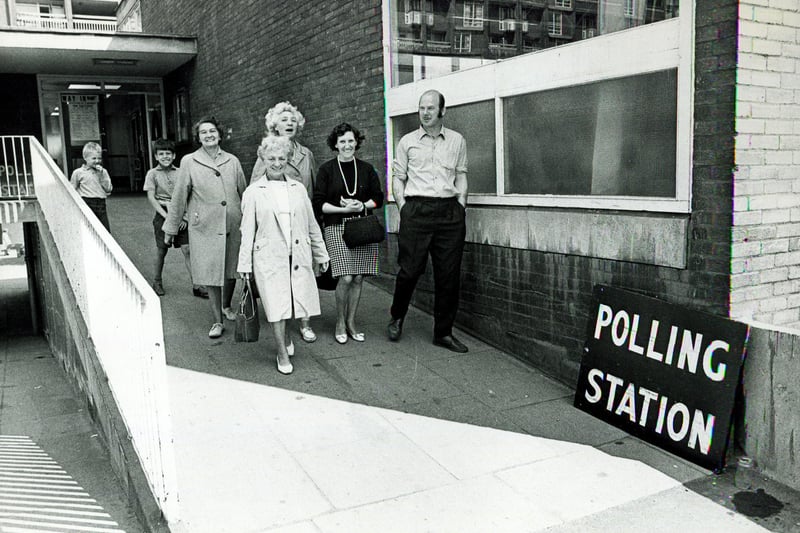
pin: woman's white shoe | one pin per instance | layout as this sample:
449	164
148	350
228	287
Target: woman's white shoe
216	330
284	369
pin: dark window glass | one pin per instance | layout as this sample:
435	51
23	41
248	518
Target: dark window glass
613	138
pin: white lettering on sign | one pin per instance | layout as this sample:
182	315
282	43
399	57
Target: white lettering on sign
696	429
624	329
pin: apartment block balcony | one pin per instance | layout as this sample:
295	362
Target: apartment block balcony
94	24
502	49
418	18
438	46
405	44
502	26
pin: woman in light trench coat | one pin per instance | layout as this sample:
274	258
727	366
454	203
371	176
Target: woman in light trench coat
281	244
285	120
209	188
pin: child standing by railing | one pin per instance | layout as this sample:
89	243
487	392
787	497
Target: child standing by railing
159	184
93	182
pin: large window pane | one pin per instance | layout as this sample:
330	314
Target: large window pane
477	124
432	38
611	138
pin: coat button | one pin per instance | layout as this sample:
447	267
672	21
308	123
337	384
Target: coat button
297	241
216	172
224	202
296	267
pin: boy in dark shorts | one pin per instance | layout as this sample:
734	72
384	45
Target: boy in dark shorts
159	184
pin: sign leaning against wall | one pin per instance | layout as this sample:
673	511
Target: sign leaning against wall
662	372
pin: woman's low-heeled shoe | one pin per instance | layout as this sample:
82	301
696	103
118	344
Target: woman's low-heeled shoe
216	330
290	349
341	338
308	334
284	369
357	336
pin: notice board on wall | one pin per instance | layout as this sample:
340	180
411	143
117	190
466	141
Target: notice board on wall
662	372
84	121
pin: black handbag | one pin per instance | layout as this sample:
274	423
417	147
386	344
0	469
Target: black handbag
362	230
247	326
326	281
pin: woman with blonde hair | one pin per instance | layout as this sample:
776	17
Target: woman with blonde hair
281	245
285	120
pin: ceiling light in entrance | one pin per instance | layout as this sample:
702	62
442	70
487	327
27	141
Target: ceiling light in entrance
92	87
117	62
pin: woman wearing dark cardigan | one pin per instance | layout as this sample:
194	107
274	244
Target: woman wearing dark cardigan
347	187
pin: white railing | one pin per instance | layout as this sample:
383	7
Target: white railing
95	24
16	176
123	317
60	22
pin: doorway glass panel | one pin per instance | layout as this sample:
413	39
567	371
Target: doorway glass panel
123	115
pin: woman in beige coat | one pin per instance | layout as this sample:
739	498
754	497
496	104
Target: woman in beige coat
285	120
281	243
209	188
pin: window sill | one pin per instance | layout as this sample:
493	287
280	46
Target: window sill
649	238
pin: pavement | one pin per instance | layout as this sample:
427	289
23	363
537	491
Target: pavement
407	437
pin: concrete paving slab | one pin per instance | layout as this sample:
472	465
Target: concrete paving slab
584	482
371	470
558	419
238	477
497	380
468	451
667	463
302	527
463	408
478	505
392	380
676	509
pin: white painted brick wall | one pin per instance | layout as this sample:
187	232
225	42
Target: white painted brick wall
765	265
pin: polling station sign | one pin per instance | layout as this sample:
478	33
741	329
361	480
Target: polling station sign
662	372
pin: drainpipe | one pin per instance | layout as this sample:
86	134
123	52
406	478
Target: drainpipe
12	13
68	13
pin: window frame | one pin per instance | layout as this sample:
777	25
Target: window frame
475	18
652	47
462	38
555	24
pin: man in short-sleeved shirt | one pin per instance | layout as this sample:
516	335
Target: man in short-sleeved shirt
429	182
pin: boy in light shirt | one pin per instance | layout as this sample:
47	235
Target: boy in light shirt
92	182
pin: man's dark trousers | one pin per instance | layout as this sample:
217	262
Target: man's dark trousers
436	226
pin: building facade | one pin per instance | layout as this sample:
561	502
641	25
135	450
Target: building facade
645	144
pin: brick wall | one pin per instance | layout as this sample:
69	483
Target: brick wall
765	265
325	57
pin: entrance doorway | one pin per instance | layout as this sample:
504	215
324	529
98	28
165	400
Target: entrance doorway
123	116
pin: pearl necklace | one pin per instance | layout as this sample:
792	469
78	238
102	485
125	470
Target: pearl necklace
355	185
